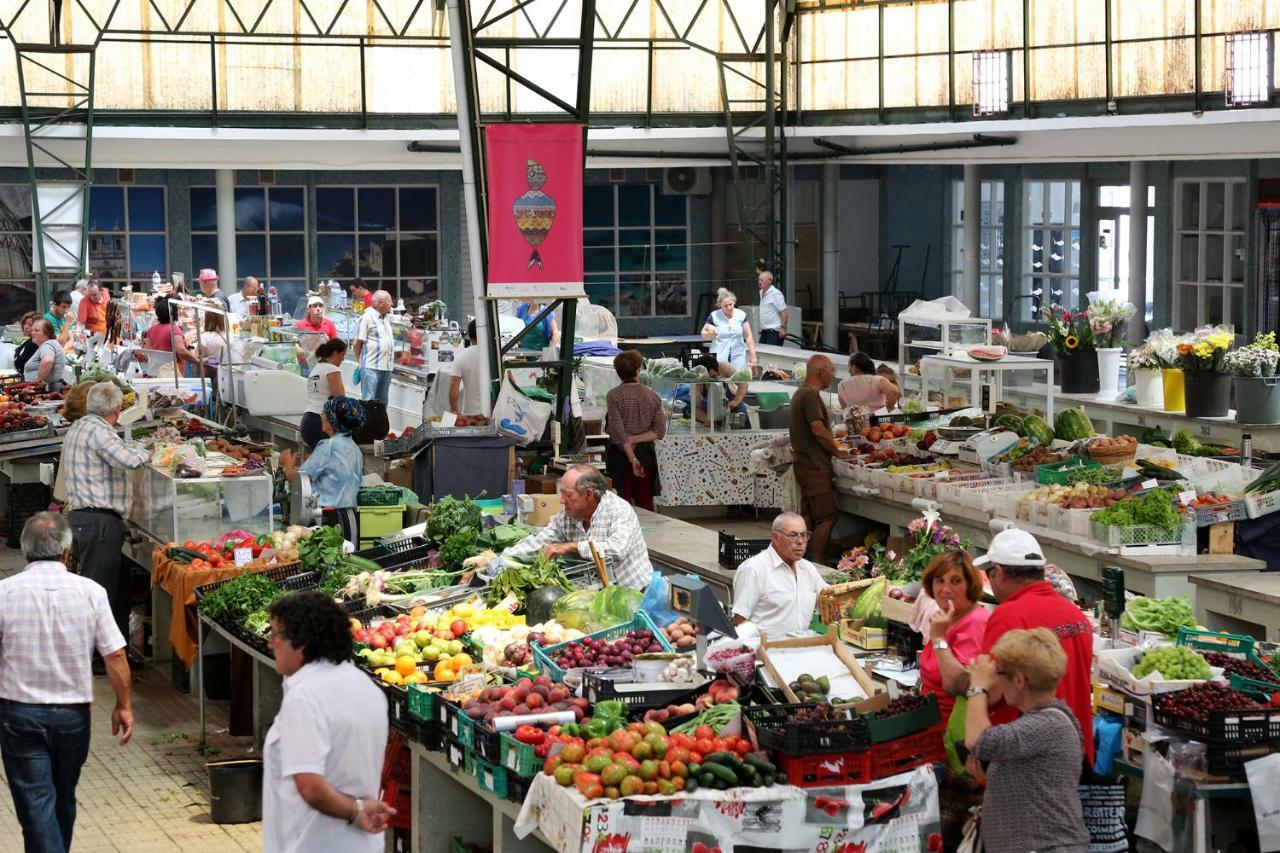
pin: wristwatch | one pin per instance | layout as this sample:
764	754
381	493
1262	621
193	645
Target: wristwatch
941	645
974	691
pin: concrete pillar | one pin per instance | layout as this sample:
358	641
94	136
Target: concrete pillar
972	294
830	255
225	199
1138	249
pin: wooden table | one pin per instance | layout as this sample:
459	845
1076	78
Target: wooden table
1239	602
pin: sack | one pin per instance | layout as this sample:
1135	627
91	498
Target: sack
518	416
971	842
376	425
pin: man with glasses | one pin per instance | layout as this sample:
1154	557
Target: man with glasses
777	589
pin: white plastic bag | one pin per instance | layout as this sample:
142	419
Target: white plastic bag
1264	785
946	307
1155	812
519	416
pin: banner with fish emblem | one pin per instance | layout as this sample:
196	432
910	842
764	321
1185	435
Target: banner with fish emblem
534	175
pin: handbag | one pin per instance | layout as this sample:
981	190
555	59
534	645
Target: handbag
1102	801
971	841
518	416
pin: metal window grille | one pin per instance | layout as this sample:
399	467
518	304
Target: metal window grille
1248	64
991	87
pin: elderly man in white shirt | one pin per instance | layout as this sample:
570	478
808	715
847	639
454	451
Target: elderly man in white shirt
374	349
773	311
777	589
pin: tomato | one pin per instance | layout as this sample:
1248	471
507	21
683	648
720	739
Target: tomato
703	733
731	743
717	745
705	745
190	545
743	748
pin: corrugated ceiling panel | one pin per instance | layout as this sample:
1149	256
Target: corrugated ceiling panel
258	77
687	82
330	79
410	80
622	89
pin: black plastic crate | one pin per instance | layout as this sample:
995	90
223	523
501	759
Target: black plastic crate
775	733
597	688
388	554
1229	761
733	551
517	788
906	641
277	574
25	500
1224	728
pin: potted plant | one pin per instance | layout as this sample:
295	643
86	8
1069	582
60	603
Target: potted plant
1072	340
1148	384
1164	344
1203	359
1108	320
1257	388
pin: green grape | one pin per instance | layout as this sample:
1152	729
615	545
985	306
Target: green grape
1174	663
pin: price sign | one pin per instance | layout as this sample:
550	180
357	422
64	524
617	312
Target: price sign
1142	420
243	557
1205	430
1149	484
1187	497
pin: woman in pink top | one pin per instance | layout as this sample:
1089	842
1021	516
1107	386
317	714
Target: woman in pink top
865	387
167	336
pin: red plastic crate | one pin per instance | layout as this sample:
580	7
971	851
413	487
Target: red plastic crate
399	798
833	768
397	767
904	753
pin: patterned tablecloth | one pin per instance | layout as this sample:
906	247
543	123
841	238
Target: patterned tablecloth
716	469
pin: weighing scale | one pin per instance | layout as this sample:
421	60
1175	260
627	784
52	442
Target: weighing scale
986	445
691	597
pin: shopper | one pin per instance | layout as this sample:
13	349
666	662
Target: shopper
1015	568
865	387
322	758
634	421
22	352
540	335
466	395
98	463
1032	800
208	281
729	332
773	310
165	335
336	467
716	369
51	622
315	321
48	364
374	350
777	589
813	447
239	302
595	517
93	308
59	314
77	296
325	382
359	293
212	344
955	639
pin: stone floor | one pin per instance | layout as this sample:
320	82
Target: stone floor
152	795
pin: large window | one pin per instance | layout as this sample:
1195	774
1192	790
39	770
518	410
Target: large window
127	235
991	256
271	238
1112	268
1050	246
389	236
636	250
1209	254
17	281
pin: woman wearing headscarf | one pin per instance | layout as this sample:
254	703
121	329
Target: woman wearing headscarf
336	466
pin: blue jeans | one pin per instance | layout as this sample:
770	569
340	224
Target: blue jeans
375	384
44	747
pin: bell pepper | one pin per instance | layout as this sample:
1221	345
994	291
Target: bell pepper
598	727
571	730
530	734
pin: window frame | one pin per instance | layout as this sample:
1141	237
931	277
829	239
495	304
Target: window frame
1073	203
1255	92
1230	233
990	278
653	272
265	277
128	232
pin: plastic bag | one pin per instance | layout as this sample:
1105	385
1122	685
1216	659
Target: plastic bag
656	596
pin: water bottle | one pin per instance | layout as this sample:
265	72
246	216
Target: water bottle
155	280
274	298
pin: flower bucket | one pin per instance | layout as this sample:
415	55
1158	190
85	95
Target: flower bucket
1257	399
1174	390
1109	371
1148	388
1208	395
1078	372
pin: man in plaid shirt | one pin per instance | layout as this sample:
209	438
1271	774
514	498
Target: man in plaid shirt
593	515
51	621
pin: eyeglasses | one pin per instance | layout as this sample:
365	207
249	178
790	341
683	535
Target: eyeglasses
796	537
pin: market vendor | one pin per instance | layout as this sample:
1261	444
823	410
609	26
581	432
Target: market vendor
93	308
593	516
466	394
315	321
777	589
357	292
814	446
716	369
542	335
324	383
22	352
865	386
634	421
729	332
240	301
59	314
48	364
97	462
336	466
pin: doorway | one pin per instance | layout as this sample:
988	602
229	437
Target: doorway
1112	243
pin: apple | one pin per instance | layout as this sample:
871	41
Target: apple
458	627
378	641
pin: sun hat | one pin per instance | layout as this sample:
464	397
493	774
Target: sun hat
1012	548
207	274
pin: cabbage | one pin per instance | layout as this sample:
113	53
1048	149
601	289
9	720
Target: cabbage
614	605
574	610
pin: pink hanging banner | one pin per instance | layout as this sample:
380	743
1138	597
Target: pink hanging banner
534	174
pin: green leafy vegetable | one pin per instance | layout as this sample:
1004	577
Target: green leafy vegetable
1153	507
519	579
503	536
236	599
1186	443
1164	615
450	515
1267	481
322	549
458	548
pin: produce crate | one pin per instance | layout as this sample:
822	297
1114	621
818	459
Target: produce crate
1229	761
388	554
902	725
277	574
1262	690
1115	535
397	763
518	758
379	521
490	777
733	551
1057	473
798	739
596	687
827	769
379	496
1256	506
904	753
1251	726
517	788
1214	641
455	753
400	798
1072	521
421	705
1002	498
25	500
544	658
905	640
833	600
962	489
1207	515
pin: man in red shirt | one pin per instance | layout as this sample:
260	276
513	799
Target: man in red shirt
1015	568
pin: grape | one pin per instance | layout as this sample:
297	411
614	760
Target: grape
1173	662
1240	666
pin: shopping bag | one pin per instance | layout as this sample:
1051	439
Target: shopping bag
1264	784
1155	812
972	840
518	416
954	734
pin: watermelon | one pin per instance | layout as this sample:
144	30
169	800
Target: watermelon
1009	422
867	607
538	603
1072	425
1038	428
987	353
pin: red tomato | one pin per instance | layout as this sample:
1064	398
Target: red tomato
718	745
731	743
703	732
743	748
705	745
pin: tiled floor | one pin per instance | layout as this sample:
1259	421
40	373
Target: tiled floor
152	795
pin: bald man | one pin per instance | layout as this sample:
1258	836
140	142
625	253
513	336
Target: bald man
814	446
777	589
374	349
240	301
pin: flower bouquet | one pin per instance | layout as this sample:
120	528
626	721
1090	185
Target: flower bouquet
1108	321
1148	384
1203	359
1072	337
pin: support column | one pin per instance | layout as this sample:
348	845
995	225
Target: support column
1138	249
972	295
830	255
225	201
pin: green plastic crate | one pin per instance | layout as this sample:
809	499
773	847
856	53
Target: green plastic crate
379	521
422	704
901	725
379	496
519	758
1213	641
1056	473
1264	690
490	777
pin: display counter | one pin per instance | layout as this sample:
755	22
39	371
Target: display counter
1239	603
173	509
715	469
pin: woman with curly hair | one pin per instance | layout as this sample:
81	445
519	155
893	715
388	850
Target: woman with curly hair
322	760
336	466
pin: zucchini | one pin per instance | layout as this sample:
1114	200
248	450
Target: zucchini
183	555
690	785
767	780
706	779
360	564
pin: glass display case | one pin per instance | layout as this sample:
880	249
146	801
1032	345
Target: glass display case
172	509
922	336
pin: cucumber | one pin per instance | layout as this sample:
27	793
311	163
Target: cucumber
758	762
690	785
719	771
185	555
362	564
767	780
728	759
694	769
706	778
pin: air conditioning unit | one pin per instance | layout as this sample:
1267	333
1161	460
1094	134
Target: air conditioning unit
686	180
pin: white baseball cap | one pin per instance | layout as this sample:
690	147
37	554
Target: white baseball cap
315	300
1012	548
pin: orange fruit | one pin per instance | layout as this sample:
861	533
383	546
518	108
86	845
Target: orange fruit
406	665
444	672
459	660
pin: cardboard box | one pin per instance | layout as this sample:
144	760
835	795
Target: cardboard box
896	610
1108	699
544	506
400	473
541	484
829	639
855	632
